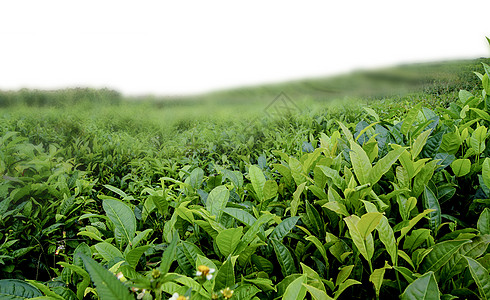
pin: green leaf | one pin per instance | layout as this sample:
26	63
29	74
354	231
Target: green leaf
255	228
368	223
457	263
480	276
483	224
414	240
357	237
296	171
241	215
486	172
412	223
258	181
441	253
270	189
49	293
383	165
108	286
297	198
108	251
344	286
410	119
283	228
217	200
317	294
477	139
225	276
461	167
296	289
387	237
360	162
419	143
169	255
245	292
377	278
228	239
424	288
343	274
85	281
284	258
319	246
122	217
15	289
135	254
431	202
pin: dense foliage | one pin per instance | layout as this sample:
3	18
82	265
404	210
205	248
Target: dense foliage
354	200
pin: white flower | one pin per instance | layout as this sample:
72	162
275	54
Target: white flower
205	271
176	296
141	295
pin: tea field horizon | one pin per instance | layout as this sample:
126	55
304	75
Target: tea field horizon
369	185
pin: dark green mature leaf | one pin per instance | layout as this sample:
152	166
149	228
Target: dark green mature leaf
123	218
424	288
430	201
284	258
457	263
14	289
441	253
480	276
284	228
225	276
108	286
169	254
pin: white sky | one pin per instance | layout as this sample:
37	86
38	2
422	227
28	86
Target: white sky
182	47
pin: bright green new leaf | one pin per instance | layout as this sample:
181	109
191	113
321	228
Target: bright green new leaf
419	143
217	200
317	294
383	165
319	246
483	224
412	223
424	288
480	276
477	139
343	274
258	180
461	167
297	198
270	189
228	239
387	237
410	119
360	162
368	223
344	286
486	172
377	278
296	289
